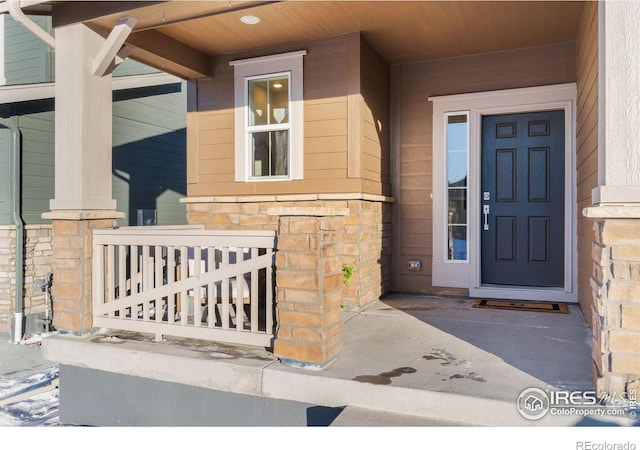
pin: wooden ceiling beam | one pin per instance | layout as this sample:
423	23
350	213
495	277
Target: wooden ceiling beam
67	13
169	55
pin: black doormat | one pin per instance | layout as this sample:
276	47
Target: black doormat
516	305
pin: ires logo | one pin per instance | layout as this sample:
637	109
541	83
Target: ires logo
535	403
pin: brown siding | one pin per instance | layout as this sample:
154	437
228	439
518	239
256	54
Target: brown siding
374	79
412	85
329	83
587	146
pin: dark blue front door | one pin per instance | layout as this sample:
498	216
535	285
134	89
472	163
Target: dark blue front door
523	193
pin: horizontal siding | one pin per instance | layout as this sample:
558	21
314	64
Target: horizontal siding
587	145
149	153
6	148
27	58
149	146
38	136
325	127
413	84
375	78
130	67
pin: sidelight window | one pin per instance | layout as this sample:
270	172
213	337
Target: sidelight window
457	169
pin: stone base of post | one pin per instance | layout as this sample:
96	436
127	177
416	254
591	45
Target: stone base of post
309	282
71	266
615	310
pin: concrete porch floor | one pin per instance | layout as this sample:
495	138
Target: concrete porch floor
407	360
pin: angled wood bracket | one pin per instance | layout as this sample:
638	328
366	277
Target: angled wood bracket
104	61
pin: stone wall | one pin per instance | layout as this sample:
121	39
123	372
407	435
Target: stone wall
7	278
366	232
616	305
37	264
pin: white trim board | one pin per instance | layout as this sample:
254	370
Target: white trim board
467	274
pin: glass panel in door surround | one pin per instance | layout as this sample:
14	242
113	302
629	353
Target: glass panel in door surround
457	150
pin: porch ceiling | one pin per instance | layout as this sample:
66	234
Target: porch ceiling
182	36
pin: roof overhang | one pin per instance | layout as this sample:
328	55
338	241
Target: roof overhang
182	37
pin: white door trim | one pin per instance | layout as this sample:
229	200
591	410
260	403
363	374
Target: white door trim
467	275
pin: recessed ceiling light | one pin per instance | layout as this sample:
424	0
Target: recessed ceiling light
250	20
277	85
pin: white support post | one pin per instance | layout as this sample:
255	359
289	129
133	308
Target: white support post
619	105
83	136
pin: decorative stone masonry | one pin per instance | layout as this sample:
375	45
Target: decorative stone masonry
616	306
309	285
72	259
366	231
7	277
37	264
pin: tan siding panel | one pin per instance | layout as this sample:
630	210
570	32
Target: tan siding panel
216	137
321	128
325	144
329	175
417	153
324	111
214	152
317	161
375	121
325	127
218	167
218	120
587	142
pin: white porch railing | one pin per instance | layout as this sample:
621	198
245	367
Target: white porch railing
185	282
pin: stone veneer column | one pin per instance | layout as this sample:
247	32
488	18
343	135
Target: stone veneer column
616	305
309	285
71	266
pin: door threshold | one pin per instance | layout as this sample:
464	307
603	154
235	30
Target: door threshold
524	293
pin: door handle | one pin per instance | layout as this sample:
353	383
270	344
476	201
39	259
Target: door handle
485	213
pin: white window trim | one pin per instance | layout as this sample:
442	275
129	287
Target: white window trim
467	275
244	69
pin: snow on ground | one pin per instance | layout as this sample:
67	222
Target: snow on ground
39	409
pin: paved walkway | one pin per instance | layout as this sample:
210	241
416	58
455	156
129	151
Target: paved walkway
413	360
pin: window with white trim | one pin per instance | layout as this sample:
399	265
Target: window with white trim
457	148
268	126
269	117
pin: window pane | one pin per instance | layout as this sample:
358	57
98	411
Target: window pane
258	102
270	151
457	243
260	151
279	152
457	206
457	150
279	100
457	163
